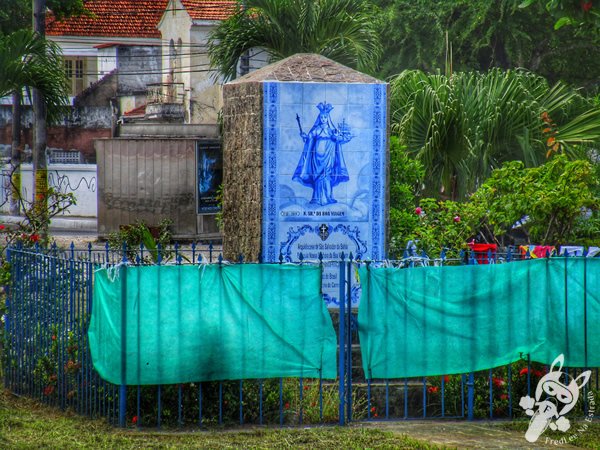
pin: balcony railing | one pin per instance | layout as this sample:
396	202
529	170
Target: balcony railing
165	93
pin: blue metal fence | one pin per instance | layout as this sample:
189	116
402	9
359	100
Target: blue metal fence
47	356
489	394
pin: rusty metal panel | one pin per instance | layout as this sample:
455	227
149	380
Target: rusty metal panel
147	180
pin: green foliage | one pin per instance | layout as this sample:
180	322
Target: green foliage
16	14
578	14
516	372
553	197
556	203
463	126
138	234
441	225
343	30
406	175
465	35
28	61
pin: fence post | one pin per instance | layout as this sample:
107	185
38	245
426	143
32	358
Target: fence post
123	386
471	380
348	283
342	342
470	396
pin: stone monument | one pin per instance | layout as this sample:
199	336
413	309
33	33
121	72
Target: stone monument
305	157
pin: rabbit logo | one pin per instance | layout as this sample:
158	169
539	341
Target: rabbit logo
555	395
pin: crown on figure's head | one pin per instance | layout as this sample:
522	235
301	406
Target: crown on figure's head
324	107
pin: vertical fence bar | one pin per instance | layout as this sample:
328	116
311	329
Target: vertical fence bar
424	397
7	323
491	384
470	396
200	404
123	386
406	398
342	342
241	402
585	331
348	283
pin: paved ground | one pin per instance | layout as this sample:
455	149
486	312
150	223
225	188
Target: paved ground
465	435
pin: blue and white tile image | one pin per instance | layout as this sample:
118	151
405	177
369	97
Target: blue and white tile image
324	169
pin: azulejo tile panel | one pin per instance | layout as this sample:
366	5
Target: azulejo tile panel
324	174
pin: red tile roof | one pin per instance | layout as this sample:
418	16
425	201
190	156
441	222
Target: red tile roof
209	9
132	18
136	112
112	18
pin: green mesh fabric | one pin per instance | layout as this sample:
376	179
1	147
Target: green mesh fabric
447	320
210	322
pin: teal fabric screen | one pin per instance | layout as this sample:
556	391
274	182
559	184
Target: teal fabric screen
210	322
446	320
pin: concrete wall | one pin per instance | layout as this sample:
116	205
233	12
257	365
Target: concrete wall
107	60
79	179
77	132
137	67
150	180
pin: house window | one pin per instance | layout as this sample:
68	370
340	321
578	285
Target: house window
75	73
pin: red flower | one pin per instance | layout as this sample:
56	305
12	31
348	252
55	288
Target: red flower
418	211
498	382
53	337
287	405
372	409
134	420
537	373
313	404
375	415
446	378
2	227
34	238
48	390
457	219
306	387
586	6
432	389
504	397
524	371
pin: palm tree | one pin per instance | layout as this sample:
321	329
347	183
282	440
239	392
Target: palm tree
464	125
343	30
28	61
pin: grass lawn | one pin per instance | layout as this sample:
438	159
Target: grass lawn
27	424
587	438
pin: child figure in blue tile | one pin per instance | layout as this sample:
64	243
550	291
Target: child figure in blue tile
322	165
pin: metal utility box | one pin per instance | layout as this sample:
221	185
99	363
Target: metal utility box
150	180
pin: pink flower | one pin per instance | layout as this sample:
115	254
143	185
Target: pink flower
457	219
418	211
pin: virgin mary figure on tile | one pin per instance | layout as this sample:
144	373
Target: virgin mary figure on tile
322	165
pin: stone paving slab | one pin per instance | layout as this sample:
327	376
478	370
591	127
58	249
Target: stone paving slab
465	435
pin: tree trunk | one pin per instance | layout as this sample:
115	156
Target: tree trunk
40	180
15	157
